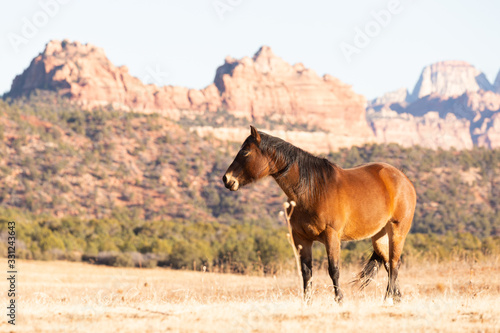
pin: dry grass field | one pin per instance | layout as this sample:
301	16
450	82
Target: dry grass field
78	297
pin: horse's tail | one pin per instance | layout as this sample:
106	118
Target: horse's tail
369	271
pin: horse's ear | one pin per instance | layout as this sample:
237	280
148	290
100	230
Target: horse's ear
255	134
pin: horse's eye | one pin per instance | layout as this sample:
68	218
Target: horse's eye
246	153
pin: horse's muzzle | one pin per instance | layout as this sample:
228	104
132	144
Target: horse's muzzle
230	182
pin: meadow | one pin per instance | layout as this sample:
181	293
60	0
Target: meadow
61	296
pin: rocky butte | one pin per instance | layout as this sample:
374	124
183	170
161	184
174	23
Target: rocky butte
452	105
450	78
83	73
266	86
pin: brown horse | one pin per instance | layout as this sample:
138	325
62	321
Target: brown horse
333	204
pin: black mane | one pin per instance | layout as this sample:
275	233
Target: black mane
314	172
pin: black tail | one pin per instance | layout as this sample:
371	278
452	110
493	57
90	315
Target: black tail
369	271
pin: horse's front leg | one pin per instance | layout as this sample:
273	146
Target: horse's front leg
304	247
332	243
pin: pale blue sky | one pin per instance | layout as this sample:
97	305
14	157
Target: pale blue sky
188	40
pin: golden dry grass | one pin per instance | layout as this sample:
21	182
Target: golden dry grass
78	297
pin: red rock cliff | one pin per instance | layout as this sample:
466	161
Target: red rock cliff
267	86
258	87
84	74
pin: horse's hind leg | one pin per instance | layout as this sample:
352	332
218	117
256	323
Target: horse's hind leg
332	243
396	231
305	252
380	244
379	256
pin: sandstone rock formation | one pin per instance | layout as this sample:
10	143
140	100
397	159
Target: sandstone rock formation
429	130
84	74
452	105
496	85
318	142
398	96
258	87
267	86
450	78
459	101
489	134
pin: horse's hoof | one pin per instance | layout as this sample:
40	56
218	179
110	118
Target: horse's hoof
339	298
308	297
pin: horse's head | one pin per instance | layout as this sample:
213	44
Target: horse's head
249	165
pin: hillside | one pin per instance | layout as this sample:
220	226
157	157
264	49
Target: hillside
62	160
86	183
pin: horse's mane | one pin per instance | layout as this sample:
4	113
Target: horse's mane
314	172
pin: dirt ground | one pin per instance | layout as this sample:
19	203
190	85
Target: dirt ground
77	297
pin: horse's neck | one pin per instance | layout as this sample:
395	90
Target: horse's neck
288	177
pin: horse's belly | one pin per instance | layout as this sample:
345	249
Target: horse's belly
361	229
309	229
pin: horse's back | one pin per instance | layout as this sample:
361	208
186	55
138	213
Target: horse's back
390	175
394	180
381	192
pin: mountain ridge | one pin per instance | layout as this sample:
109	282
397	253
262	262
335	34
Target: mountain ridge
264	87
